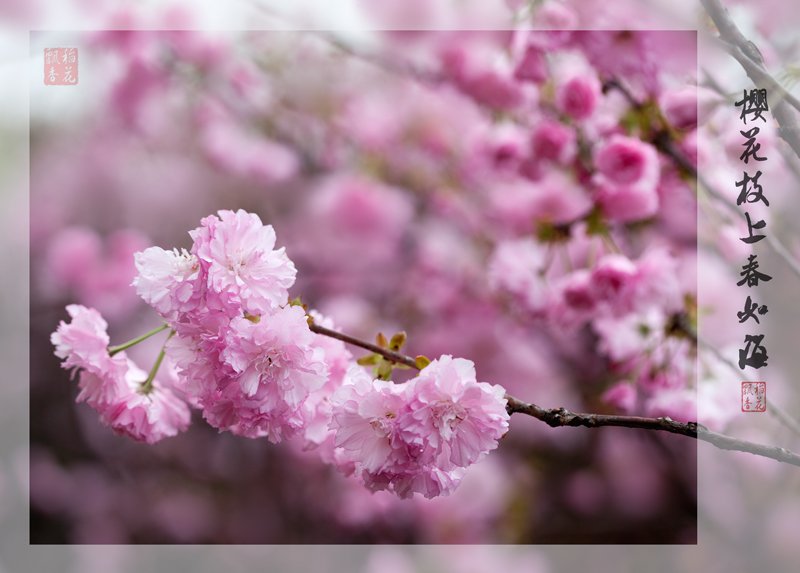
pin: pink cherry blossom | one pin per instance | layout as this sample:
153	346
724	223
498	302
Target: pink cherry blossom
679	405
339	361
627	178
625	204
417	437
553	15
554	198
270	370
145	417
626	161
657	281
112	386
365	415
689	106
629	55
578	292
133	97
612	281
516	267
578	96
244	272
491	88
571	301
83	343
169	281
532	66
352	213
453	417
553	141
627	336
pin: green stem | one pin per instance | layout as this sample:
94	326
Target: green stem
611	243
112	350
147	385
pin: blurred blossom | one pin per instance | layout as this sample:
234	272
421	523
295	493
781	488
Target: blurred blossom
97	275
627	54
248	156
354	221
578	96
515	266
480	191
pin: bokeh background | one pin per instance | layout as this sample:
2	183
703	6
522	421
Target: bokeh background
116	167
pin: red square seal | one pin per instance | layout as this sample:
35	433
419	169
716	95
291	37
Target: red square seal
754	396
60	66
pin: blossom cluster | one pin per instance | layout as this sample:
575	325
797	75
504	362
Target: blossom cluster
504	197
418	436
112	385
247	361
247	358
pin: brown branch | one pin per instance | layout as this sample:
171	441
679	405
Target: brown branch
561	417
385	352
749	56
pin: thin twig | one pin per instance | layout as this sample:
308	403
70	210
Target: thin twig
561	417
385	352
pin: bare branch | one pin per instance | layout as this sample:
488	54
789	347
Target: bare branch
749	56
559	417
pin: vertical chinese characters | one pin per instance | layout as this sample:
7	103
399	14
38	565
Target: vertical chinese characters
754	354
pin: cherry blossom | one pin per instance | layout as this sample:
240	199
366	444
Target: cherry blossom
244	272
113	386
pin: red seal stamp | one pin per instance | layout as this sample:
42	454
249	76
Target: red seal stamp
754	396
60	66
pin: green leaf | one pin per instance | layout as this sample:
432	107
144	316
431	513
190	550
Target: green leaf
369	360
381	341
398	340
422	361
